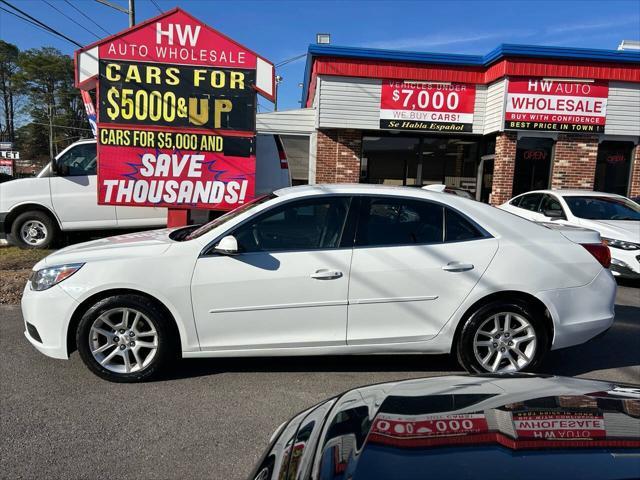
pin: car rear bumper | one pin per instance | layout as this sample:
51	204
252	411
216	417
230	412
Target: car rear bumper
46	315
581	313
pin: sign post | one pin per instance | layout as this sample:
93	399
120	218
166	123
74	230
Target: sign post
176	108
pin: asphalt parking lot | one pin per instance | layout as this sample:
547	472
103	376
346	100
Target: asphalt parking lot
212	418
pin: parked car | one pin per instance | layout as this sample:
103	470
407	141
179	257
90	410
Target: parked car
63	197
438	187
463	427
413	272
615	217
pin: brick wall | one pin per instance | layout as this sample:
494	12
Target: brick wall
503	166
338	156
634	190
574	163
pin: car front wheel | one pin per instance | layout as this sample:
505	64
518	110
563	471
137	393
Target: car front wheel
502	337
34	229
125	338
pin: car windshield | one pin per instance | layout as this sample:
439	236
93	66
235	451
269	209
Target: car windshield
207	227
603	208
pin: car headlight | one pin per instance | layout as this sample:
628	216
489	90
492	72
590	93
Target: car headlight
621	244
50	276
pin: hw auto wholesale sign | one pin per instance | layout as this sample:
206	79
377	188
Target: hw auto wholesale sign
552	105
427	106
176	114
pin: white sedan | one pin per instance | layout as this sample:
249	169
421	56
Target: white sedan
315	270
615	217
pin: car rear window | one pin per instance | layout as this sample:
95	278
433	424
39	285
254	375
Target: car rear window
458	228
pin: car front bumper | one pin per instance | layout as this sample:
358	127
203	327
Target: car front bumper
625	263
49	313
581	313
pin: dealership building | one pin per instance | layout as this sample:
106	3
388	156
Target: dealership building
516	119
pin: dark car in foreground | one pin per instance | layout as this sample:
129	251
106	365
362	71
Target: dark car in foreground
511	426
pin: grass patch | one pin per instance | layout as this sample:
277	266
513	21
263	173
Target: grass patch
15	267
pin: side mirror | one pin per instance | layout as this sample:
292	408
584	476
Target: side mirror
553	213
227	246
59	170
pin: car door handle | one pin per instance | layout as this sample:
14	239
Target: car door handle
326	274
457	267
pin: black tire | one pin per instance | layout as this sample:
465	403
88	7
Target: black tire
465	346
166	339
37	217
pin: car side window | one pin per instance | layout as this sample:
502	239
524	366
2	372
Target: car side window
549	202
79	161
311	224
457	228
531	201
398	221
516	201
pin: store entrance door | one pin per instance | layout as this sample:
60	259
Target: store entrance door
613	167
533	164
485	178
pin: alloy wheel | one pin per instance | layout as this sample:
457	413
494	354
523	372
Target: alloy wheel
505	342
123	340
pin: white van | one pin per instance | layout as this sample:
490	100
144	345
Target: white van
64	196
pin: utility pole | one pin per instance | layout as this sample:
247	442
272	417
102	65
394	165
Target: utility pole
131	11
50	132
279	80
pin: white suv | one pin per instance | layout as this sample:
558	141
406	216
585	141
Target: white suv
33	211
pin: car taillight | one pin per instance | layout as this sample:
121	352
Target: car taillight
600	252
284	163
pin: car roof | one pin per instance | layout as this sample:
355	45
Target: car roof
362	189
573	193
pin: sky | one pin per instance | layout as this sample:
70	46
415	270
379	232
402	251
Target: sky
280	30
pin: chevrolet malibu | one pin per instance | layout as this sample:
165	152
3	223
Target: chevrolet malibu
317	270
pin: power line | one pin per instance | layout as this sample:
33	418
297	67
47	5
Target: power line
289	60
41	24
62	126
87	17
29	21
69	18
26	20
157	6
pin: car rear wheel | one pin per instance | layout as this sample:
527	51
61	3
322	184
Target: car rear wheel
34	229
125	338
502	337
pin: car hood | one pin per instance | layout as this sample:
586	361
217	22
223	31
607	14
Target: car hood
150	243
627	230
398	430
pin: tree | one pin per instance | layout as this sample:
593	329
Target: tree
8	67
46	77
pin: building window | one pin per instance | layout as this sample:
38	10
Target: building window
533	164
420	160
613	166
